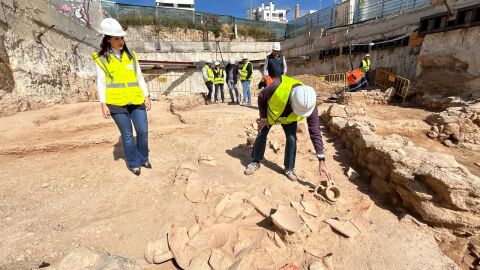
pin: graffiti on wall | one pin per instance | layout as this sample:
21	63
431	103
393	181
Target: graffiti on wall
78	9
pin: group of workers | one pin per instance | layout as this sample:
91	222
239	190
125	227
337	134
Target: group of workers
284	100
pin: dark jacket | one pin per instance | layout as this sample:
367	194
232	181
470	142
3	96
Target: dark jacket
275	65
236	73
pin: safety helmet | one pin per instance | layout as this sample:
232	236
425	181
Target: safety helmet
367	55
209	61
303	100
232	61
217	63
276	46
244	57
111	27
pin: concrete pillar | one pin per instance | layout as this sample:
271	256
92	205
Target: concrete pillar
297	11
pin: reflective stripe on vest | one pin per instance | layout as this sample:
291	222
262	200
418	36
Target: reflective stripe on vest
244	73
219	78
279	100
121	79
365	65
209	74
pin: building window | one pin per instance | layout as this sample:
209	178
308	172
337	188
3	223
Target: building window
165	5
185	6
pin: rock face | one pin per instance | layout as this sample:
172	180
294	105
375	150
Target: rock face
366	97
434	185
457	126
55	68
83	258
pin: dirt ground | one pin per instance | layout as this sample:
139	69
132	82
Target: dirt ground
64	184
410	122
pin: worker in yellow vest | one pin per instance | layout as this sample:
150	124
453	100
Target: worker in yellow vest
208	77
123	93
219	81
246	74
285	102
365	65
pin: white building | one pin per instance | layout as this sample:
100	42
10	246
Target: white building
268	13
180	4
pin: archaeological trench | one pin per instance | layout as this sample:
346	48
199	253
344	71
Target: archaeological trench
418	160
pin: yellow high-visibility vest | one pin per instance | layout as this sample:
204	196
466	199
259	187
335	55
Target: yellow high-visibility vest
219	79
365	65
279	100
209	74
244	73
121	79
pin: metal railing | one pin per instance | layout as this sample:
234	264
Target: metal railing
341	15
166	83
386	79
337	78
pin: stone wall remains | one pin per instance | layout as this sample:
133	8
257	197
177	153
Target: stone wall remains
432	185
362	98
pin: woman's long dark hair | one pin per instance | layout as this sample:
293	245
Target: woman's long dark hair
105	48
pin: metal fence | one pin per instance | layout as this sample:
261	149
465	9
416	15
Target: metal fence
386	79
191	19
364	10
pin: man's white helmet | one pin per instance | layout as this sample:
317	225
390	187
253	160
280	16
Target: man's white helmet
244	57
111	27
232	61
209	61
276	46
367	55
217	63
303	99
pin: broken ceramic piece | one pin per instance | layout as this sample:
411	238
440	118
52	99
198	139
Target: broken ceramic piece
345	228
287	219
157	251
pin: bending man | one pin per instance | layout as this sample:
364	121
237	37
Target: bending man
287	101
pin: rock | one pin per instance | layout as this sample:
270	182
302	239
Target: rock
451	128
290	267
251	141
177	241
449	143
207	160
219	260
352	174
117	263
200	261
267	192
310	208
81	258
432	134
298	206
157	251
275	146
337	111
261	205
278	240
346	228
287	218
328	261
193	230
478	164
194	188
45	185
317	265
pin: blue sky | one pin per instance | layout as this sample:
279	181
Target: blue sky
238	8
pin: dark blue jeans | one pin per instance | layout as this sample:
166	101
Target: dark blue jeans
136	151
290	146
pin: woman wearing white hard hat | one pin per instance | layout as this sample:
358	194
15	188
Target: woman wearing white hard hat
123	93
219	81
285	102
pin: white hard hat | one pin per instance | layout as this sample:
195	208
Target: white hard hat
367	55
232	61
217	63
112	27
208	61
303	99
276	46
244	56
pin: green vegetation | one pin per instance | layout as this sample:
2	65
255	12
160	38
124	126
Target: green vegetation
255	32
141	20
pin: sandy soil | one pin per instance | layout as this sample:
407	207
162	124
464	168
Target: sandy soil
64	184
